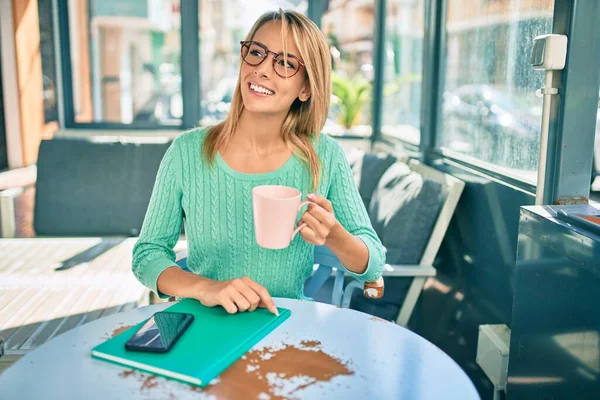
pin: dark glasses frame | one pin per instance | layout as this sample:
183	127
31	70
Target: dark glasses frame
276	56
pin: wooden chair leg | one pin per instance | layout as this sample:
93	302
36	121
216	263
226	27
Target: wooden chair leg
410	301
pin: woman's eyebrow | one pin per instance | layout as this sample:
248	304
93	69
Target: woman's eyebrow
280	52
261	44
289	55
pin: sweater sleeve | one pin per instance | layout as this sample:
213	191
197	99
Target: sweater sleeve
351	213
153	253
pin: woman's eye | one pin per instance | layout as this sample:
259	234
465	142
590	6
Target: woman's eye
288	65
256	53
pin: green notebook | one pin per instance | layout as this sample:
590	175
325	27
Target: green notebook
213	342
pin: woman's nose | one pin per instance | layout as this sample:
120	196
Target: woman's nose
266	67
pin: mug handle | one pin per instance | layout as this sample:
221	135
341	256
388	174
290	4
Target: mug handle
298	229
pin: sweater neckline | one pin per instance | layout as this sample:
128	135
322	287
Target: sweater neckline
222	164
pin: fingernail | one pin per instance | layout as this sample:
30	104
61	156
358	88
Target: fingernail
311	196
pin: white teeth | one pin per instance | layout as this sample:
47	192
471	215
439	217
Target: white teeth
260	89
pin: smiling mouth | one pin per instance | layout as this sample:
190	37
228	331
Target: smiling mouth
260	89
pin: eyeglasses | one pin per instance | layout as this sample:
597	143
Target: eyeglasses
254	53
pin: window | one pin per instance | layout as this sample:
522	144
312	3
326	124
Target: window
596	161
490	110
48	64
223	24
348	26
125	61
3	147
403	66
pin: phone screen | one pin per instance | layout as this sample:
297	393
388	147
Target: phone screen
160	332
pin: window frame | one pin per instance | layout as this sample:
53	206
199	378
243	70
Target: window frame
433	69
190	62
563	179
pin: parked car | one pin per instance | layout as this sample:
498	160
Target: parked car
49	95
596	163
163	108
493	124
215	105
499	126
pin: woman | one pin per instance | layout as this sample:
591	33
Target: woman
271	136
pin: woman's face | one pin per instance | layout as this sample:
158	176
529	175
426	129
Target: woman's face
263	90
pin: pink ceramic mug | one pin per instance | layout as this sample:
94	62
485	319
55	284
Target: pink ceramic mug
275	211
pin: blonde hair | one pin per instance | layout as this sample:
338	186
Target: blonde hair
305	119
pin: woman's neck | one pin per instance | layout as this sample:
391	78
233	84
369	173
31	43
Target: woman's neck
259	133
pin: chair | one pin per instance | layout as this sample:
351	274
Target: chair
326	265
92	195
89	188
85	187
450	189
382	171
322	256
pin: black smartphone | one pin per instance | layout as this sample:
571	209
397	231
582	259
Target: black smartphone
160	332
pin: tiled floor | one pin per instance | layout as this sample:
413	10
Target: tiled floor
44	292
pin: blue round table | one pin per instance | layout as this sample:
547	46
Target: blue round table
320	352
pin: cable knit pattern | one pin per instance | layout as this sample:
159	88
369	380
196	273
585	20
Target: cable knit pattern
217	204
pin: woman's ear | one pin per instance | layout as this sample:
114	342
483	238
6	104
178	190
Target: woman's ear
304	93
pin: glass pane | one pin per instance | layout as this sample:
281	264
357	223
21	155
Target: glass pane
596	163
125	60
3	147
223	24
348	26
490	107
403	67
48	64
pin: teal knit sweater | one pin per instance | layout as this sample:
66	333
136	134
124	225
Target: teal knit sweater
215	202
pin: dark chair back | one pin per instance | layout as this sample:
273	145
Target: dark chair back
94	188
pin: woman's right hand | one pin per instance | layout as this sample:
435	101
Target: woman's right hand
240	294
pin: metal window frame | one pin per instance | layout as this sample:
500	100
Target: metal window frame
315	11
379	69
568	172
190	63
570	156
432	65
433	77
190	70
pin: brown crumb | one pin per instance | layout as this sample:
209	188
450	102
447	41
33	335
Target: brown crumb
290	369
310	344
127	373
149	383
278	373
120	330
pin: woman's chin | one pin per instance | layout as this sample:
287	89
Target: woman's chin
260	108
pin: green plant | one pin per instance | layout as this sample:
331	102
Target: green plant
352	94
399	81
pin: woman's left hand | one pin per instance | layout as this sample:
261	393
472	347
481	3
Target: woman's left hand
319	219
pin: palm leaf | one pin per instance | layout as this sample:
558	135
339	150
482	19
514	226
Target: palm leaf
352	95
